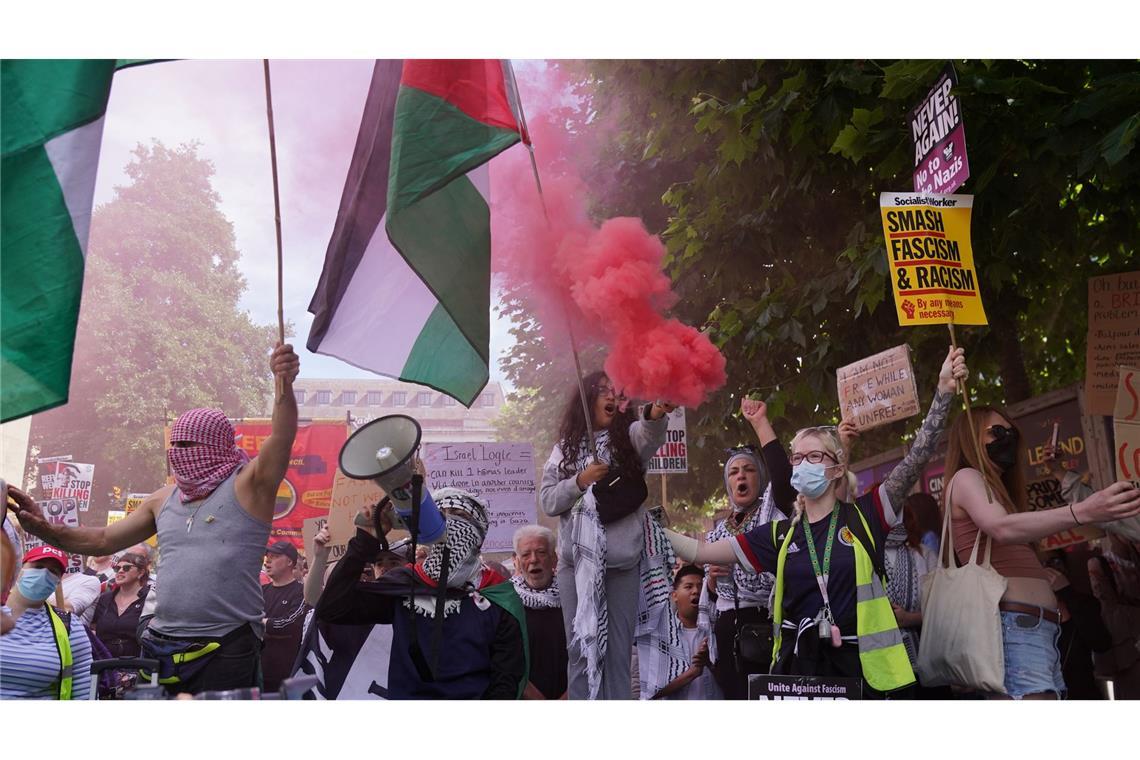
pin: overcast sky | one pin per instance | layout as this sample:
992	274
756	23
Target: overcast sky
317	106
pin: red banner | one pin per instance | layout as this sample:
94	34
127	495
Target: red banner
307	488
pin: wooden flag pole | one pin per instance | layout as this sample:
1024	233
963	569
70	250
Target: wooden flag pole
280	385
970	419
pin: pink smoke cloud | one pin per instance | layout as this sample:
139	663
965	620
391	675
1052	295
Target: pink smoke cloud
607	280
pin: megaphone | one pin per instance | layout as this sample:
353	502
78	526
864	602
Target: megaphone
383	451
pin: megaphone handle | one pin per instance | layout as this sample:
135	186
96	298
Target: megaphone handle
378	522
417	497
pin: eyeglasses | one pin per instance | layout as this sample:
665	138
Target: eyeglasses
747	448
609	390
123	568
815	457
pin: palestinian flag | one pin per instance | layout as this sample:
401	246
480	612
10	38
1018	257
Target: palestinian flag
51	127
405	290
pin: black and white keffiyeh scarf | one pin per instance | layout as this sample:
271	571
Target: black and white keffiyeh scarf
903	582
534	599
752	589
463	538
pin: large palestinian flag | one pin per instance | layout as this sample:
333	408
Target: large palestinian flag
405	290
51	127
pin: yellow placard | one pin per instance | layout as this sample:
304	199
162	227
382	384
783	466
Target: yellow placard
931	262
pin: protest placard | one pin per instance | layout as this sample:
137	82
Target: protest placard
349	496
938	135
815	688
501	474
879	389
930	258
68	480
309	530
114	515
1113	337
133	501
673	457
1126	426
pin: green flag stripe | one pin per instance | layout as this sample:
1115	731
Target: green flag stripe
446	239
45	98
432	142
442	358
42	275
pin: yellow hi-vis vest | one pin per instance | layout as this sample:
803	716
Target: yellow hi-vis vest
882	654
63	644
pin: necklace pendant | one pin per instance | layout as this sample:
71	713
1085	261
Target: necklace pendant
189	523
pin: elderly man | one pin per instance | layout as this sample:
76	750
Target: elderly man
546	634
458	630
212	526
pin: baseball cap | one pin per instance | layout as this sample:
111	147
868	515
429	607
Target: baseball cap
47	552
283	547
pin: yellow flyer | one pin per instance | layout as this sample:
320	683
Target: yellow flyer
931	261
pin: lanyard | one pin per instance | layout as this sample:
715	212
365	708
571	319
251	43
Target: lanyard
822	574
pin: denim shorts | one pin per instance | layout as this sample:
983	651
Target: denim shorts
1032	661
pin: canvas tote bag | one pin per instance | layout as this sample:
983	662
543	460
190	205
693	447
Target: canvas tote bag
961	640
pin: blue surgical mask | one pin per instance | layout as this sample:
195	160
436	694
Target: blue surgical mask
37	583
810	479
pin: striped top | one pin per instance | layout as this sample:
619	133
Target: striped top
29	660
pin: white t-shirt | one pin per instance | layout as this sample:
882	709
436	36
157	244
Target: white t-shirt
704	686
81	591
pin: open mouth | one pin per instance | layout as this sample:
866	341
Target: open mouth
741	489
610	408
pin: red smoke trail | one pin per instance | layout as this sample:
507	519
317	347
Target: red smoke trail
609	278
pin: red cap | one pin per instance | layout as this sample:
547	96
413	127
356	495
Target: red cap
47	552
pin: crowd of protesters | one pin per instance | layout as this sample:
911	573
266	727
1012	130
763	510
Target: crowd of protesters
802	576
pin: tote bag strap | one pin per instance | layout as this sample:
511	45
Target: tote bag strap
948	536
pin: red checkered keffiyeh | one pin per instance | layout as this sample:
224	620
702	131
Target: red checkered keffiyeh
198	470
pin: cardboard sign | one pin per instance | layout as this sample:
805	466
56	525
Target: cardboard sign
1126	426
114	515
349	496
938	135
501	474
931	260
133	501
878	390
309	530
814	688
673	457
1113	338
68	480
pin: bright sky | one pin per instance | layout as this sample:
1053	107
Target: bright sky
317	106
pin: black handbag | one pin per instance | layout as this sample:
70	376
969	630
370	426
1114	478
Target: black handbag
753	641
618	495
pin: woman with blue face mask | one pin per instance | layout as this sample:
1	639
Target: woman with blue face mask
47	655
831	613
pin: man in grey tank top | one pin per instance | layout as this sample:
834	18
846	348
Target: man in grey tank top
212	527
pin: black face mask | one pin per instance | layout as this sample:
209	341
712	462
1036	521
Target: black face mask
1003	449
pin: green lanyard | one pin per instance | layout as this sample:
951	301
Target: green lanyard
821	575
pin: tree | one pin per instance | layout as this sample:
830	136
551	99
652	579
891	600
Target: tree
763	180
160	329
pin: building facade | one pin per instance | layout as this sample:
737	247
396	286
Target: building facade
442	418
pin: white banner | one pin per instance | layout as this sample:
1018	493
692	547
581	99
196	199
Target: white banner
68	480
673	457
501	474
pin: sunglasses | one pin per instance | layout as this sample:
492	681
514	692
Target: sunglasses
1001	432
123	568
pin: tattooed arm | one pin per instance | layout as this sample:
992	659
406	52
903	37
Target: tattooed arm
906	472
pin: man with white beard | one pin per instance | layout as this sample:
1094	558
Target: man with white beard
537	586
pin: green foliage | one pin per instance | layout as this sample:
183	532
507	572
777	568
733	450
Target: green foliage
160	329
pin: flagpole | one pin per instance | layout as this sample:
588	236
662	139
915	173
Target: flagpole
280	385
586	412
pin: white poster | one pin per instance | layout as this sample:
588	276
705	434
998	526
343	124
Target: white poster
501	474
68	480
673	457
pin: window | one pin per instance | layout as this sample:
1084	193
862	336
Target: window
372	398
399	398
449	401
299	394
323	397
487	399
423	398
347	398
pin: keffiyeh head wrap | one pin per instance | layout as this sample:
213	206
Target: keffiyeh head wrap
463	537
761	472
198	470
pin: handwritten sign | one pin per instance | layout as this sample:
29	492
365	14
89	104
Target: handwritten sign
930	258
349	496
938	135
309	530
878	390
673	457
501	474
1113	337
1126	426
68	480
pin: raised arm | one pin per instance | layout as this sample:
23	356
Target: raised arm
133	529
268	468
772	452
906	472
648	435
315	580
